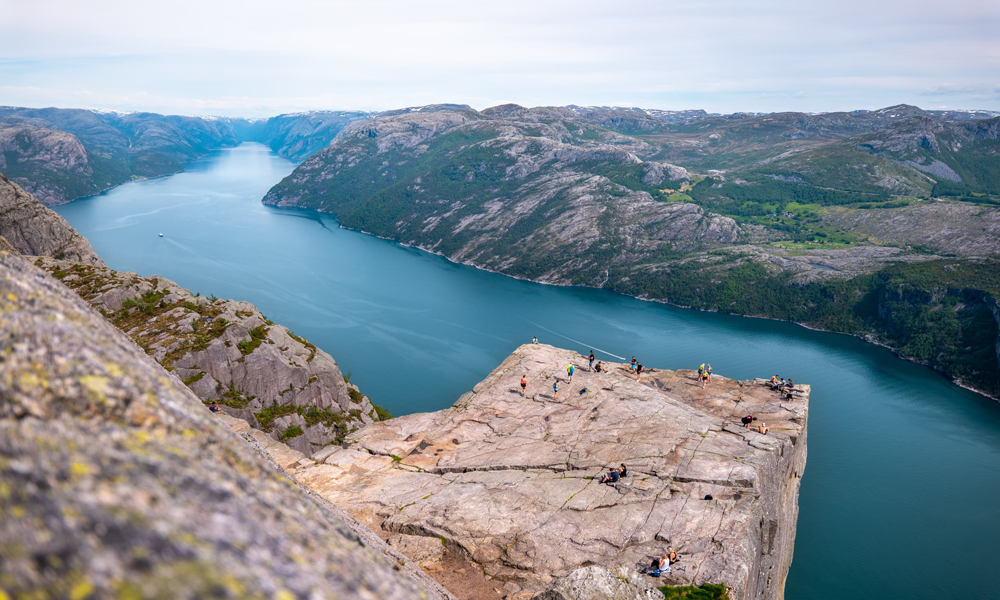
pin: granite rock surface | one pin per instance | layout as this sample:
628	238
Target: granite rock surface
33	229
115	481
514	481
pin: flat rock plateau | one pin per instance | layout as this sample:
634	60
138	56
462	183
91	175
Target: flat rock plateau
512	482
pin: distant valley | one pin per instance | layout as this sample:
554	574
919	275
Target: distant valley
882	224
59	155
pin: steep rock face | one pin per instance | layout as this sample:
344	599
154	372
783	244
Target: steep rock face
117	482
46	161
952	228
528	192
513	482
35	230
227	351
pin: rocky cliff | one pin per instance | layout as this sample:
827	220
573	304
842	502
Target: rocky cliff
115	481
512	482
33	229
226	351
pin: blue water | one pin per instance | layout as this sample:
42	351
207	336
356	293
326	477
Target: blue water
901	492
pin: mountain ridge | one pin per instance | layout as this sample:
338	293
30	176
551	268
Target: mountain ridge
773	229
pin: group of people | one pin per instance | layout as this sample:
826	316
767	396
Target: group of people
661	564
636	368
597	368
705	374
615	475
785	388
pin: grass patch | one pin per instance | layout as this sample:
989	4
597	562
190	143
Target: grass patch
708	591
292	431
194	378
356	396
381	413
258	335
234	399
268	414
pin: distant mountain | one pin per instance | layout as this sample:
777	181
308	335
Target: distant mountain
296	135
532	192
61	154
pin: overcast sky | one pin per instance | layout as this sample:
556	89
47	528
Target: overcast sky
256	58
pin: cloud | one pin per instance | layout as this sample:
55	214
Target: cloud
722	55
952	89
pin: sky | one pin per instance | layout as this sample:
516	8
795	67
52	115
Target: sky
253	58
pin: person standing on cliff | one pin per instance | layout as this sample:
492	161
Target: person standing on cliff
632	365
570	369
638	372
555	389
591	360
524	384
704	378
534	339
708	370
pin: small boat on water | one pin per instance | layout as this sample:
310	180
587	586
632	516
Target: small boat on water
161	235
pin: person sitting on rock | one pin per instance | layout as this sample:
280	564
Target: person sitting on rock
214	407
600	367
672	556
762	428
622	472
747	420
611	477
660	565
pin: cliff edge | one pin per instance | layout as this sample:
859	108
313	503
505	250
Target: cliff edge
513	482
115	481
